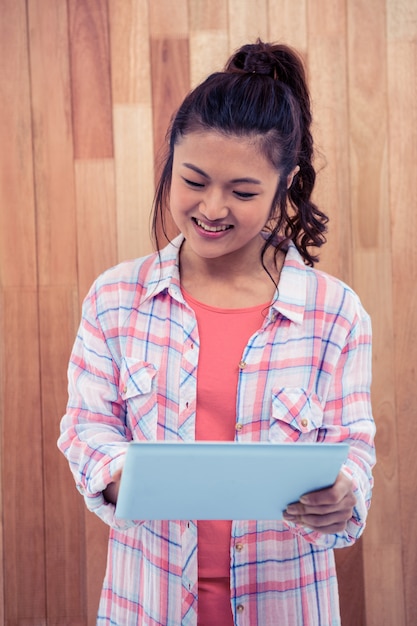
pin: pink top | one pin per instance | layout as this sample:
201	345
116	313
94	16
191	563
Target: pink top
223	333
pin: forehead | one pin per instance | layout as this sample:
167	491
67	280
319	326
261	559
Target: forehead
218	151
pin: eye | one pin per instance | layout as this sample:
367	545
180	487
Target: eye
192	183
245	195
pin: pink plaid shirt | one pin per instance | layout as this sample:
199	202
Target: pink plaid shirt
132	375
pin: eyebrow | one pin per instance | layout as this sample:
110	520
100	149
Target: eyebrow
245	179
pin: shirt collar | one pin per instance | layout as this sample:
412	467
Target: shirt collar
291	295
165	274
290	298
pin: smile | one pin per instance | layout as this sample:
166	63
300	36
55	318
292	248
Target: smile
211	229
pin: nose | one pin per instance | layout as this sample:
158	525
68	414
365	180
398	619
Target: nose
213	206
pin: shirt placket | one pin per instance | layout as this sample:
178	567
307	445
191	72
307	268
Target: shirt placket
240	547
186	431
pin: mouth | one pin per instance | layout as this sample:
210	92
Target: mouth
211	229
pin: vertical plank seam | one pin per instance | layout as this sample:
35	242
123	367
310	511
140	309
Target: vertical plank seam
390	244
70	69
350	269
36	229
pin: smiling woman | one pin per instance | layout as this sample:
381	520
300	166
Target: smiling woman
201	339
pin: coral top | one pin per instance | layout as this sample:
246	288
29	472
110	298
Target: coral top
224	334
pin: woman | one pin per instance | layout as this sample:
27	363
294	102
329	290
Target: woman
227	333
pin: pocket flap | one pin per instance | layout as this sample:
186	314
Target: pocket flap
298	408
135	377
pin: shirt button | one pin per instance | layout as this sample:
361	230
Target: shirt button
239	426
304	422
240	608
242	365
124	389
239	547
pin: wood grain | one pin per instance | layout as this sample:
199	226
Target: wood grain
327	70
168	19
17	223
247	22
129	41
64	507
90	79
134	163
96	220
171	82
23	498
402	68
209	39
87	90
52	143
287	23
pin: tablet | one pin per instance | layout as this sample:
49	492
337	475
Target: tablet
222	480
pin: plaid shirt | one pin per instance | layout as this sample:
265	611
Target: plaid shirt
132	375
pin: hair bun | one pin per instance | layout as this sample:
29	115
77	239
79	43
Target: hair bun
255	58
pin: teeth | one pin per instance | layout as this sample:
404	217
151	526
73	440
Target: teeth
211	229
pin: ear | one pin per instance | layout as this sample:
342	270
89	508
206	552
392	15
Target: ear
290	177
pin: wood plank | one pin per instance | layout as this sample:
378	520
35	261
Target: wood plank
129	41
247	22
402	69
351	585
372	272
17	223
170	83
170	74
207	15
327	71
168	19
96	220
209	40
2	546
133	144
64	507
393	613
287	23
21	436
90	79
53	147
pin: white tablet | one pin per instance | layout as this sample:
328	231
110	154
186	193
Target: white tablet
222	480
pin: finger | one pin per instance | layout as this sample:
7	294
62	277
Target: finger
347	504
331	495
325	524
299	508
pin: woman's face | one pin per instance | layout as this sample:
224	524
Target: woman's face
221	195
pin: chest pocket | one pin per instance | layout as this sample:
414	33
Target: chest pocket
296	415
137	387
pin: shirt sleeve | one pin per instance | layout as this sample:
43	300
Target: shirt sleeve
94	436
348	419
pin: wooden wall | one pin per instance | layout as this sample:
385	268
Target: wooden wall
86	91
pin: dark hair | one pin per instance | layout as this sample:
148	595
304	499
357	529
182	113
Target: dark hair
262	92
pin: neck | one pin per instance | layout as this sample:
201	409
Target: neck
230	281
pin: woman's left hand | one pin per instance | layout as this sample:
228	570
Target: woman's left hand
327	510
